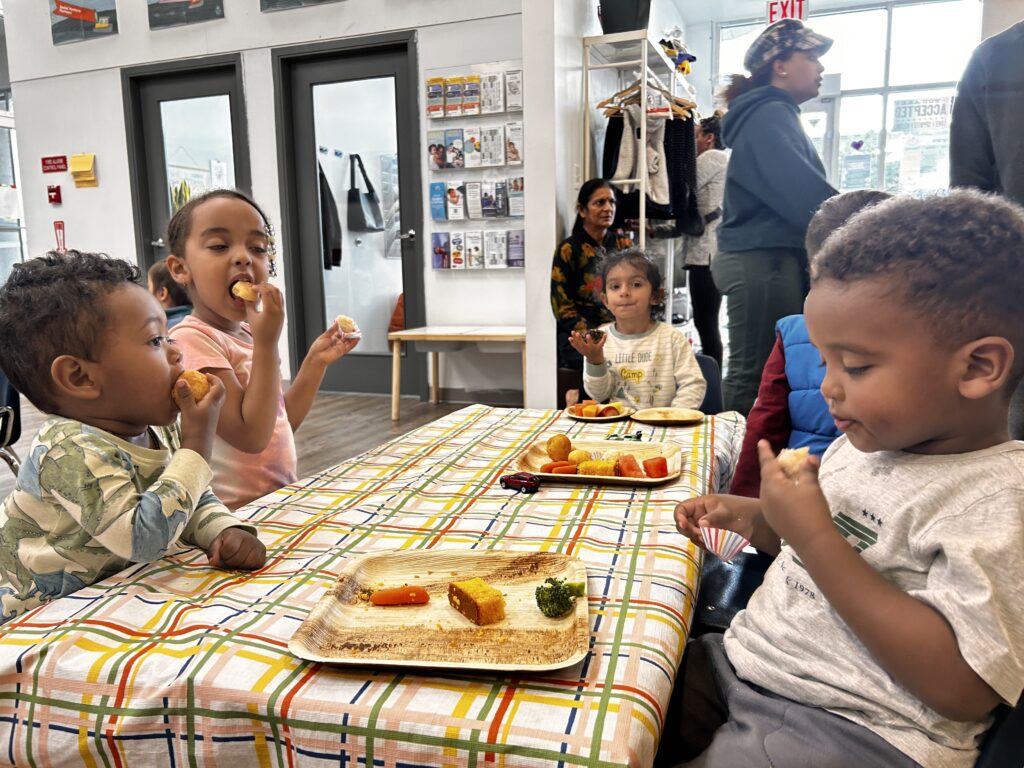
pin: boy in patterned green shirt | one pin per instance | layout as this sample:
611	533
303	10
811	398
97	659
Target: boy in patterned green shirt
111	479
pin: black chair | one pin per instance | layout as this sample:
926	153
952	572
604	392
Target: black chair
1004	742
10	423
713	402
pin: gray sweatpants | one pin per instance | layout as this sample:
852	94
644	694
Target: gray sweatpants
726	722
760	287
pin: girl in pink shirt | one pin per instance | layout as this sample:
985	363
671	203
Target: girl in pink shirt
217	240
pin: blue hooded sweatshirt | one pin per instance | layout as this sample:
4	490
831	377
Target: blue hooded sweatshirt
775	180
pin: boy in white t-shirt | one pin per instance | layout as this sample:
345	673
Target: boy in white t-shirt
890	625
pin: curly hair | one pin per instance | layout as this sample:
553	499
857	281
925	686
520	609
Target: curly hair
648	266
954	259
835	212
180	225
712	126
54	305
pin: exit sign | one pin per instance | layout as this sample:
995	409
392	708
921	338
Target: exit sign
787	9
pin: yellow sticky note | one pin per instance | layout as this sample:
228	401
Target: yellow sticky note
82	164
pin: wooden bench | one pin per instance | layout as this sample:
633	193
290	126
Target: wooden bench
444	335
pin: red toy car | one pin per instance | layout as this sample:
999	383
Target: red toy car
521	481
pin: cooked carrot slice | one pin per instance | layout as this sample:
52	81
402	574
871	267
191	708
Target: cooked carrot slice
550	466
569	469
400	596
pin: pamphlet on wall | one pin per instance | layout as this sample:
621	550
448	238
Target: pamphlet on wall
495	249
492	146
456	201
458	250
435	97
454	156
471	95
436	152
438	194
500	198
488	201
514	143
516	248
440	250
474	250
514	90
471	145
516	196
453	96
492	93
474	208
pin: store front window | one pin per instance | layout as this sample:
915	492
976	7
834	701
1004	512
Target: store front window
889	128
12	230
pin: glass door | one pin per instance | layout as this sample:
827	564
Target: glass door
189	137
818	118
352	196
12	227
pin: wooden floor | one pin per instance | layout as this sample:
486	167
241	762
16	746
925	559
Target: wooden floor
338	427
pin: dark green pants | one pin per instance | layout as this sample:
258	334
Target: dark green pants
760	287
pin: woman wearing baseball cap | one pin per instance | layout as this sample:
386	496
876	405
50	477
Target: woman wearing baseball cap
775	183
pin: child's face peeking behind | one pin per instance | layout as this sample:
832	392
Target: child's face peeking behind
628	294
136	365
890	383
227	243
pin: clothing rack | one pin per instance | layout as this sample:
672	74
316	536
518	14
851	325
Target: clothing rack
624	52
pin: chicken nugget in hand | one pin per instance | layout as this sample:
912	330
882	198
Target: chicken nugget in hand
235	549
197	383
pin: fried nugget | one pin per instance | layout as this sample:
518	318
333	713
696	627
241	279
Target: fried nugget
197	382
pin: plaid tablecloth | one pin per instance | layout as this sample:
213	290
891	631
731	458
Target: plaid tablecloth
175	663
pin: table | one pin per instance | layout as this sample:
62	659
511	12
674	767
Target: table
175	663
456	335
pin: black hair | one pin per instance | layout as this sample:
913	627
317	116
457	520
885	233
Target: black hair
180	225
160	276
648	266
590	186
712	126
953	259
835	212
56	305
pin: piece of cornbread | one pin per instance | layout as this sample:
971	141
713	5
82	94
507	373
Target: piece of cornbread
604	467
477	600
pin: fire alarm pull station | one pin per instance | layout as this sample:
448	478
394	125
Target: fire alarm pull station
53	194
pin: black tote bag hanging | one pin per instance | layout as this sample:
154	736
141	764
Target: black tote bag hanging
364	214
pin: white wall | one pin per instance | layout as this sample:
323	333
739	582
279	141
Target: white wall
69	100
997	15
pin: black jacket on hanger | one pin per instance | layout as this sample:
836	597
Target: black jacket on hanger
330	224
681	161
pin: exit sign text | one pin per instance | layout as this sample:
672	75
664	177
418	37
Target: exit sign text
786	9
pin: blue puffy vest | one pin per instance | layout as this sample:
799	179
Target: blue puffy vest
808	413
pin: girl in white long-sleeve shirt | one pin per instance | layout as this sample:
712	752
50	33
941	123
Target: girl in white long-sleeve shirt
638	359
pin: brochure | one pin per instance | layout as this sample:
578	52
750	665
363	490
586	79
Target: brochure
495	251
474	205
456	201
458	250
514	143
453	96
516	248
492	93
474	250
437	201
435	97
516	197
492	146
454	156
514	90
440	250
471	145
471	95
436	154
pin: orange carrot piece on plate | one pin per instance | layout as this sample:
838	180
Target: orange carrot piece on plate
400	596
569	469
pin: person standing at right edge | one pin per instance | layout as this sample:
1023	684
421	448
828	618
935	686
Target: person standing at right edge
774	184
985	147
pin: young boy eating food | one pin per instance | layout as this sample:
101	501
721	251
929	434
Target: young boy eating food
889	627
110	479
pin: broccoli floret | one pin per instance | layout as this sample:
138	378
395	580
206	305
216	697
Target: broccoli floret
556	597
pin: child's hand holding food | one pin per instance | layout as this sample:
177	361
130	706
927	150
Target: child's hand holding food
590	345
793	506
199	397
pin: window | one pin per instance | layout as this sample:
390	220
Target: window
12	233
891	115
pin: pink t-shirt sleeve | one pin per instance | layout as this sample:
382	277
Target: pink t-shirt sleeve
199	350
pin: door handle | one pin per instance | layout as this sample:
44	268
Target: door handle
410	235
158	243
